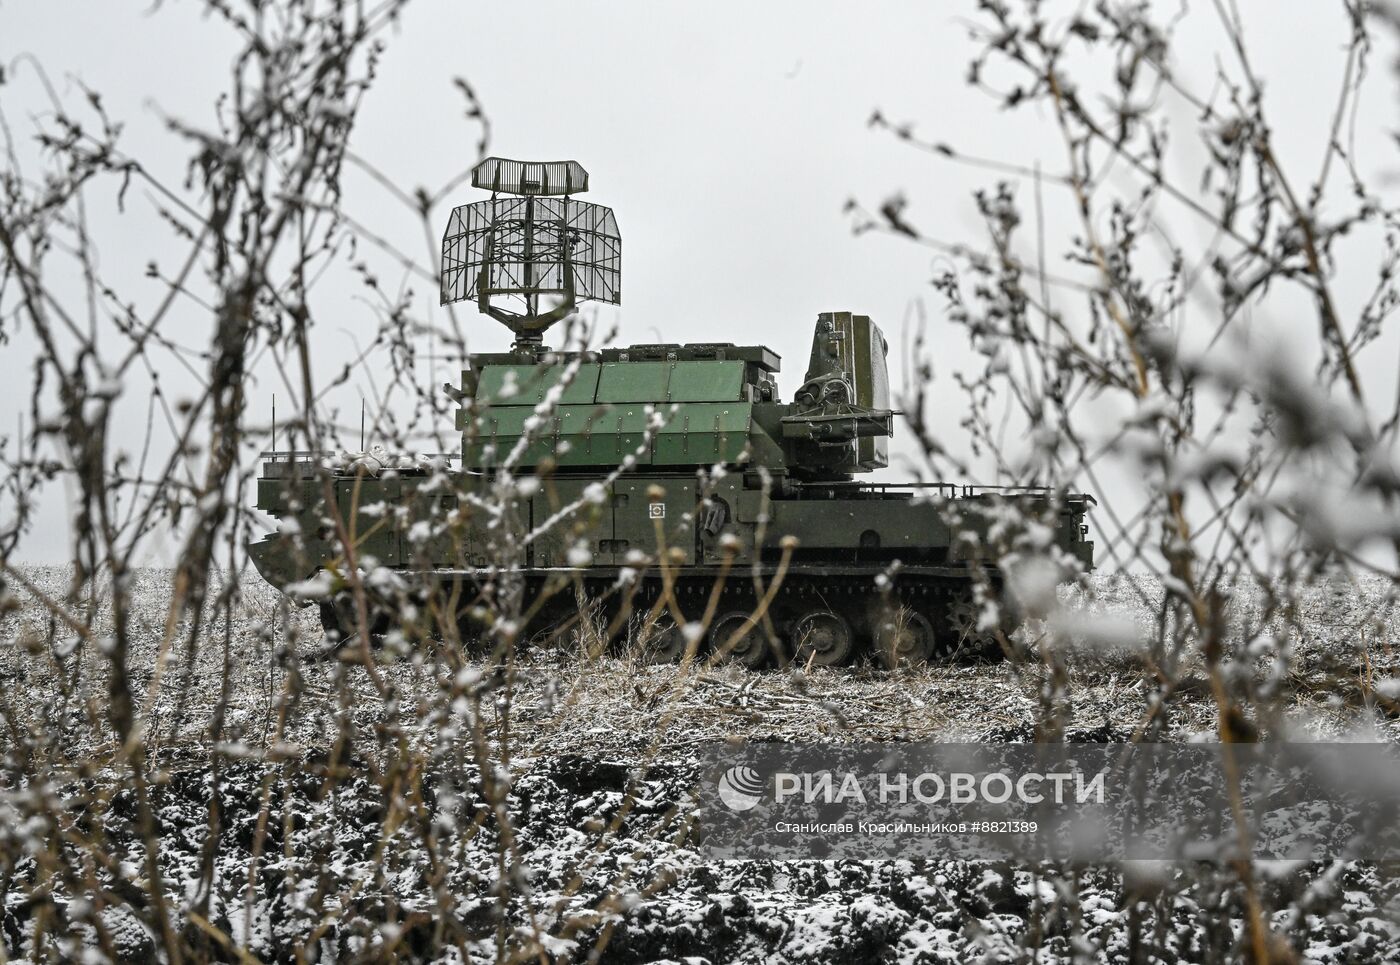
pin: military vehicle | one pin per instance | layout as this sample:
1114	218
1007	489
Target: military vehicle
668	480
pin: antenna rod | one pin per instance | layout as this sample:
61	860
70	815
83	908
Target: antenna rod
274	425
362	423
530	296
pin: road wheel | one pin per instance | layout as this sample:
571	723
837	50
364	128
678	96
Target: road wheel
664	644
822	638
736	638
341	620
905	638
338	618
966	640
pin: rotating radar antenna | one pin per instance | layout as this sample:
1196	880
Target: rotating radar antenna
531	252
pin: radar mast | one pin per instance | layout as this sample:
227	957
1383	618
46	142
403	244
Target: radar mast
532	251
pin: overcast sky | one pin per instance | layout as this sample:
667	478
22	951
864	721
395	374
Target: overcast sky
726	136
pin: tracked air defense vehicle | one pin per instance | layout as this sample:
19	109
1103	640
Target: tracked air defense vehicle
669	481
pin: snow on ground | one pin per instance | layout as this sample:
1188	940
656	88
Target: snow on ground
604	754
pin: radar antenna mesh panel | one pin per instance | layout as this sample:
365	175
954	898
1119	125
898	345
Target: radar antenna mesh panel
530	177
528	246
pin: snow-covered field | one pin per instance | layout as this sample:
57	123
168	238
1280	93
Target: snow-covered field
328	849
